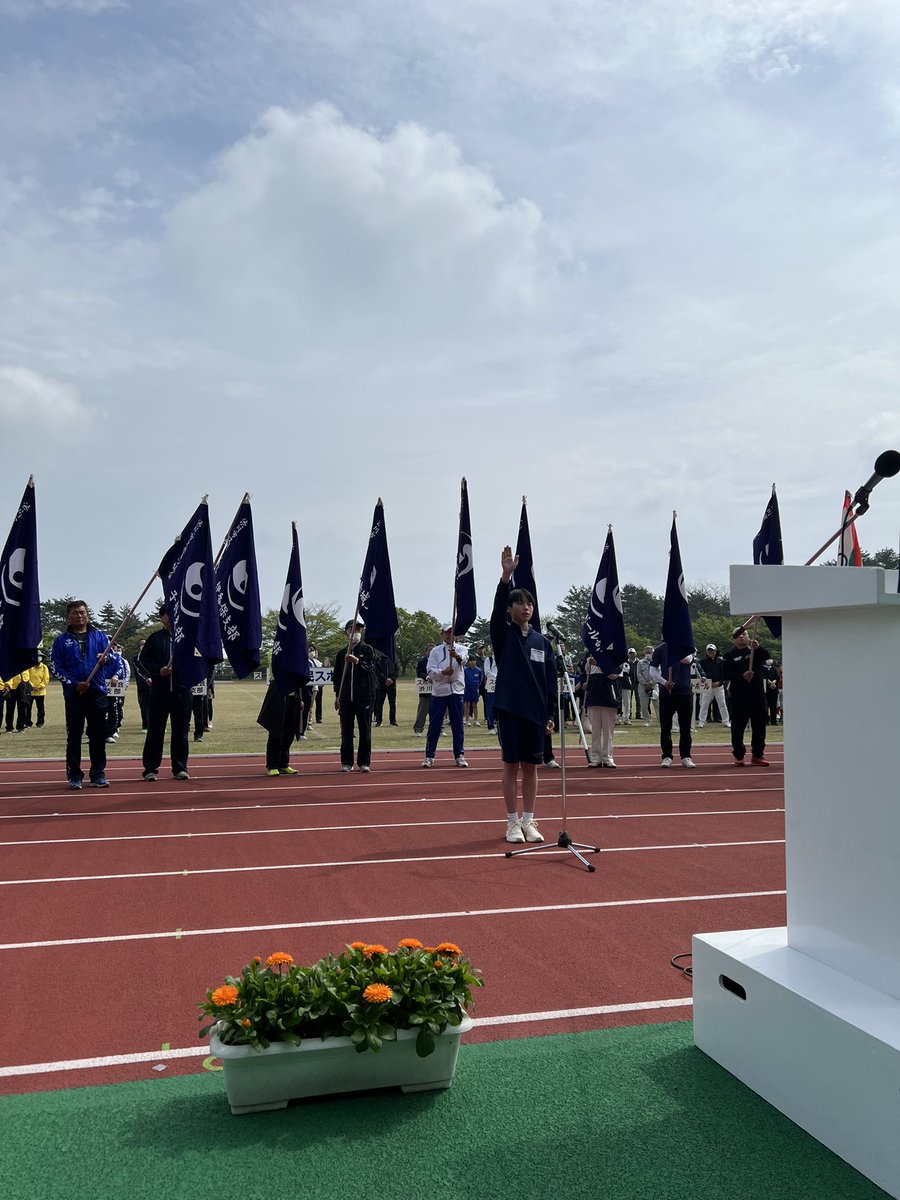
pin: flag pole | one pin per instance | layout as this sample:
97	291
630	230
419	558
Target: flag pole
246	500
112	641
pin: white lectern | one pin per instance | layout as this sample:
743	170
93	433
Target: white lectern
809	1015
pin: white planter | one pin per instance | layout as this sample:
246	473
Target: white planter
260	1080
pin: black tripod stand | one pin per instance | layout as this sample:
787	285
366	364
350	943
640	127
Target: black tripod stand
564	841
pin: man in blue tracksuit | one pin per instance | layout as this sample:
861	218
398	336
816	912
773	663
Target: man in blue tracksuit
524	698
73	657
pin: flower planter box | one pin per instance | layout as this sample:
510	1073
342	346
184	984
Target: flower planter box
260	1080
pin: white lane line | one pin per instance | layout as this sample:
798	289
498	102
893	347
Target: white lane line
189	810
355	922
119	1060
164	837
366	862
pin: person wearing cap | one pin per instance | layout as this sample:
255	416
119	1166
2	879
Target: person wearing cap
712	672
354	684
446	671
744	670
40	679
525	699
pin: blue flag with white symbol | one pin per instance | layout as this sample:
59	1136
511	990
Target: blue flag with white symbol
189	591
20	601
768	550
676	622
523	576
604	625
464	605
237	595
375	605
291	667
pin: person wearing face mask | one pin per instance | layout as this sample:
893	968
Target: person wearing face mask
645	683
354	697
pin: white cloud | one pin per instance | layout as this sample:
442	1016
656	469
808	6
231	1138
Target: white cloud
21	9
321	226
38	403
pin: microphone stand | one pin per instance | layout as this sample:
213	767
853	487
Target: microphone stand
564	841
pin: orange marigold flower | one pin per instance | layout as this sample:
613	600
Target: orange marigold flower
246	1022
439	966
448	948
224	995
409	944
368	951
377	993
430	949
278	959
256	959
357	945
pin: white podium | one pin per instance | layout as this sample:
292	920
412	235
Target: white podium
809	1015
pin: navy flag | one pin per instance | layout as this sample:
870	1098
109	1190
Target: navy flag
464	606
676	622
291	667
20	601
768	550
188	581
375	604
523	576
237	594
604	625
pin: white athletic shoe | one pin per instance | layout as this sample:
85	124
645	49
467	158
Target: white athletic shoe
552	764
688	762
514	831
608	762
531	832
427	762
345	767
666	762
461	762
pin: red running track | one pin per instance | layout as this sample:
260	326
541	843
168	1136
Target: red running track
119	908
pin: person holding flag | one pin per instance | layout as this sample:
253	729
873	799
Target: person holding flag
354	697
81	660
603	634
525	699
671	662
281	714
20	602
186	649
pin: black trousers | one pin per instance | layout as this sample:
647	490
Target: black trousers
753	709
356	714
167	704
278	743
390	693
669	705
89	709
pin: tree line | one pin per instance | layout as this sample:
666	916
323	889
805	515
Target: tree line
708	603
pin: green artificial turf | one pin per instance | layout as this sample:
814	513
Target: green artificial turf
623	1114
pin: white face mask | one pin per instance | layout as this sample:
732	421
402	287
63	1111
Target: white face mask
355	638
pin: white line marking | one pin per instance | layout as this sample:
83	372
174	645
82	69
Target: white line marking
116	1060
355	922
163	837
366	862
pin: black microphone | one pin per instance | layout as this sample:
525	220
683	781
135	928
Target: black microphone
887	465
554	632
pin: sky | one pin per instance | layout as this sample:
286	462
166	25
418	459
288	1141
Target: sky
623	258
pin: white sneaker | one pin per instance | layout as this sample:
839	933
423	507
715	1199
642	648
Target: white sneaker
514	831
346	768
476	722
608	762
727	724
531	832
700	724
461	762
552	764
667	762
366	770
688	762
427	762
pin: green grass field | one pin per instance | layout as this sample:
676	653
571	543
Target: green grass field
235	730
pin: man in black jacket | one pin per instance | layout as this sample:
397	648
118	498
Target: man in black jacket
385	688
354	696
524	698
744	670
170	701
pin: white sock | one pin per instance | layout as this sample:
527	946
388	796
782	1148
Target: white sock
510	817
526	817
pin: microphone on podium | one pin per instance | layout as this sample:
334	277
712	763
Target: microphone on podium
887	465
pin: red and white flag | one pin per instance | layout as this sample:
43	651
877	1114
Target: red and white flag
848	554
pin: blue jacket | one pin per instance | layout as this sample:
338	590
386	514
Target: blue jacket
70	668
526	667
